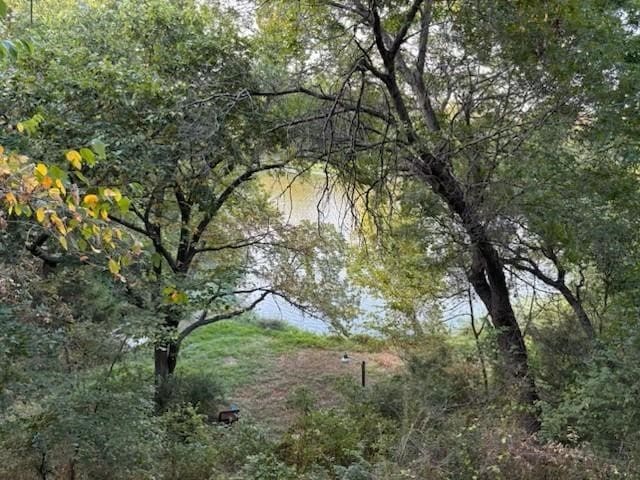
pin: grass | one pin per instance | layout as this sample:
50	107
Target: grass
259	363
240	351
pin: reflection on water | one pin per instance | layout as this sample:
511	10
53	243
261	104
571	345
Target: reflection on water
307	198
310	198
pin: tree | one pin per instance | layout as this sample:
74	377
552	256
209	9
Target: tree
187	164
452	95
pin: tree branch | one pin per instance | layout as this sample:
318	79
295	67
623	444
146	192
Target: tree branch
222	316
226	193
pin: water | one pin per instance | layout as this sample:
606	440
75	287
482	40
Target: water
306	199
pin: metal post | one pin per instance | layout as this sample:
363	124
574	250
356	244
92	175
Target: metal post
363	373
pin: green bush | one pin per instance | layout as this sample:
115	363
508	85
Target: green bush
560	350
323	437
204	393
266	466
271	324
95	427
189	447
601	407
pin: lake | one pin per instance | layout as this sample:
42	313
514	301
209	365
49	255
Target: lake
300	199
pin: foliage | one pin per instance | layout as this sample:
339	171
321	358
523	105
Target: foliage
488	145
198	391
52	196
608	384
178	193
93	426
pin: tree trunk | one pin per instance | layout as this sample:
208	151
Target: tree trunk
165	360
578	309
488	280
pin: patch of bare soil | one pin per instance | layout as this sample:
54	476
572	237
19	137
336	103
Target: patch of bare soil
265	400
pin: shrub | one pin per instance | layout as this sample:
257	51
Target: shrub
189	447
95	427
266	466
601	407
204	393
271	324
323	437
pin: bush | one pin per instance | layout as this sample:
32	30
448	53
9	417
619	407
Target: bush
271	324
323	437
560	350
204	393
189	447
95	427
601	407
266	466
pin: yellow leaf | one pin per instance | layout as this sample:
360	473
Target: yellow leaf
90	200
41	169
114	267
20	127
63	242
61	186
55	193
1	150
55	219
10	198
40	215
30	183
104	213
74	158
46	182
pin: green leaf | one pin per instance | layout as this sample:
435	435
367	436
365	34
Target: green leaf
9	49
99	149
25	45
3	9
123	204
88	156
56	173
156	260
81	177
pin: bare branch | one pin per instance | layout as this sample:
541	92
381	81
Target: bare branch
214	206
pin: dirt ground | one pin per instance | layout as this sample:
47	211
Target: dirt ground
315	369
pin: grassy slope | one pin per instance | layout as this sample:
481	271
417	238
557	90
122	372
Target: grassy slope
237	352
260	367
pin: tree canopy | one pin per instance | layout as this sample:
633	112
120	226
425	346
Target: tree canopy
487	154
